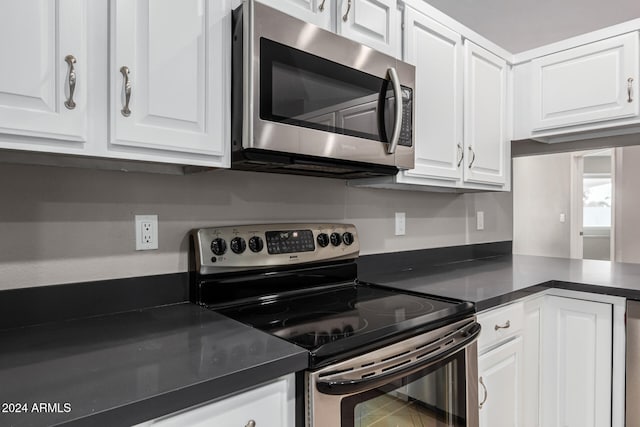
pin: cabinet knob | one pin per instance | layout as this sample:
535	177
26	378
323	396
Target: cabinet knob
251	423
321	7
71	81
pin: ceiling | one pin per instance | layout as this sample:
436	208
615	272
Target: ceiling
519	25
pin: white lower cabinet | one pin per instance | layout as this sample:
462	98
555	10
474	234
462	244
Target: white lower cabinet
576	363
556	365
269	405
500	349
500	378
531	378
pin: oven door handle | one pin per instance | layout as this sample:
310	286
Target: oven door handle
397	126
466	336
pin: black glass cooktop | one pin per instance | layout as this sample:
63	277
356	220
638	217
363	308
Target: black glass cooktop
343	320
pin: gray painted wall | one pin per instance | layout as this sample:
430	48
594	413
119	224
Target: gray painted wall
627	202
541	188
541	192
63	225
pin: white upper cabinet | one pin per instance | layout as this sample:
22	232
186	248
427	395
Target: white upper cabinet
375	23
44	76
589	83
170	79
437	53
316	12
485	121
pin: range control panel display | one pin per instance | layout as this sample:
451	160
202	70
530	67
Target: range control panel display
290	241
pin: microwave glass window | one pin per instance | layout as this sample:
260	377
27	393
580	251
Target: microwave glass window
434	397
305	90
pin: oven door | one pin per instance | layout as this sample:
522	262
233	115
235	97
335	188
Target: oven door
429	380
315	93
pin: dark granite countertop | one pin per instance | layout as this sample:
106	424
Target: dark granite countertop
493	281
124	368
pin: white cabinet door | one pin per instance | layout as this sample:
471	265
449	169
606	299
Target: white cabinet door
316	12
576	363
500	391
485	121
586	84
270	405
437	53
531	375
37	36
176	55
375	23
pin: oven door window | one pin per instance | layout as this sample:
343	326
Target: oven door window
305	90
433	397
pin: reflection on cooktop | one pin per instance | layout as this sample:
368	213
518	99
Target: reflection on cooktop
319	317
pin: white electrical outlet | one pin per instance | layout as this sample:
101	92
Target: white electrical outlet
563	217
480	220
400	223
146	232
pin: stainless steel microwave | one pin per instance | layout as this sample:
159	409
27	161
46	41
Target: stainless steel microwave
308	101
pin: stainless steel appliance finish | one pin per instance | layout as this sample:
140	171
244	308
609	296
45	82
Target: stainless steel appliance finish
254	250
375	353
337	136
409	362
633	364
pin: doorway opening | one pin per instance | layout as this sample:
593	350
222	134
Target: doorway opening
592	207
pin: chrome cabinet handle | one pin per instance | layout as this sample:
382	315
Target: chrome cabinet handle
321	7
486	393
127	91
461	151
505	326
251	423
629	89
71	60
473	159
346	14
397	93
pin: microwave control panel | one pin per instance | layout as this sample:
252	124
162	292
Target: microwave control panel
407	117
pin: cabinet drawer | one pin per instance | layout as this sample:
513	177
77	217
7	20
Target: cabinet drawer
500	323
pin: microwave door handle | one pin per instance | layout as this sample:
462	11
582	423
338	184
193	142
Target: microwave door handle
465	337
397	93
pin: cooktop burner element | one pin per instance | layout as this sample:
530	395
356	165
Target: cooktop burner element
305	291
339	313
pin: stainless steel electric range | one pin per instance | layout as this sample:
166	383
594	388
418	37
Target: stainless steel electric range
377	355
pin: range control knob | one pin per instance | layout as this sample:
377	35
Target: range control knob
238	245
347	238
219	246
336	239
323	239
256	244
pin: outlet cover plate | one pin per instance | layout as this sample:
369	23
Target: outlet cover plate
400	223
146	232
480	220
